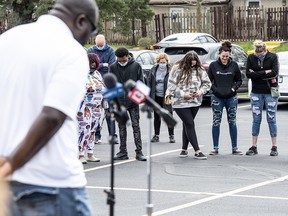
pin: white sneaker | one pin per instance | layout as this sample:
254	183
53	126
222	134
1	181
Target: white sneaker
82	160
93	159
97	141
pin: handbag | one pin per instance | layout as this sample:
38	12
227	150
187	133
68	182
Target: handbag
167	98
274	90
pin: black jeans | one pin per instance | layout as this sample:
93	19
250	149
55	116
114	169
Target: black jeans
134	116
157	118
187	115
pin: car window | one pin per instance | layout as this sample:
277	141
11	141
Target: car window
210	39
145	59
153	56
202	39
238	54
184	50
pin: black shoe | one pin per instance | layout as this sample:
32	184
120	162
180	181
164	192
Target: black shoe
252	151
274	151
171	139
121	156
200	156
155	138
214	152
183	154
140	157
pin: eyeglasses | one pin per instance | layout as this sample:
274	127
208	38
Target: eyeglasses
94	28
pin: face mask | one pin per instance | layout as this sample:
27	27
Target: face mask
124	64
162	65
92	70
100	48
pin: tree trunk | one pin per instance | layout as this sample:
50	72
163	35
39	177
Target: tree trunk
133	32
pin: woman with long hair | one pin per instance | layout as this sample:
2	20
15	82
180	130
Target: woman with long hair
187	83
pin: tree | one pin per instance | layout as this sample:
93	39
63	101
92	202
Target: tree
138	9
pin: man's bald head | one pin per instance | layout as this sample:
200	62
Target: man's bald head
100	40
81	16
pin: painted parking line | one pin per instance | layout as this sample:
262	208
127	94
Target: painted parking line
219	196
187	192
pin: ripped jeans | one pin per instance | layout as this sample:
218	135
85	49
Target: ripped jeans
257	103
217	105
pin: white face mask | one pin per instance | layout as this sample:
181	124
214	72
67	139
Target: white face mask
124	64
162	65
100	48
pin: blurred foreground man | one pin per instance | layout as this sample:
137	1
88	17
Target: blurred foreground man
41	93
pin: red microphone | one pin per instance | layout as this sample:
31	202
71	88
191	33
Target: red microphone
136	96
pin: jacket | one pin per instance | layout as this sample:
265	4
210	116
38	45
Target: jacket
106	55
178	90
151	82
132	70
259	77
226	79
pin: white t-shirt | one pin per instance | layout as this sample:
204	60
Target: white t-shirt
42	65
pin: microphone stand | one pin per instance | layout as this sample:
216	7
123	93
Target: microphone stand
112	139
149	206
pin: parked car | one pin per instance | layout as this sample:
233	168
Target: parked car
283	75
208	52
185	38
146	58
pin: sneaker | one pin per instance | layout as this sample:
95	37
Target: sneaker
97	141
214	152
155	138
252	151
200	156
140	157
183	154
93	159
171	139
121	156
237	152
274	151
82	160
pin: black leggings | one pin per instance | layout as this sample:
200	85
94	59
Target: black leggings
187	115
157	118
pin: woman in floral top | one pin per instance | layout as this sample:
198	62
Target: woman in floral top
187	83
90	111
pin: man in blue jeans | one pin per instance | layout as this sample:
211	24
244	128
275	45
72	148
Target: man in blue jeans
38	145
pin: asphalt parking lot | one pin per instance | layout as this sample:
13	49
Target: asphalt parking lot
223	185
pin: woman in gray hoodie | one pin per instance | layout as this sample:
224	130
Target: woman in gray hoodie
187	83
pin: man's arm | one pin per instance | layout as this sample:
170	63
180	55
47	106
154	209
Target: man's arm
48	122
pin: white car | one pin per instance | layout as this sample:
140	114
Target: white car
283	76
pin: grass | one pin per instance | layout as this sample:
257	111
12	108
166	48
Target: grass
247	46
281	48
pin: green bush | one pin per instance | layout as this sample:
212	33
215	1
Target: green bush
146	42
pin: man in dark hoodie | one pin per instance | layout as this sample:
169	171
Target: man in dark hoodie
126	68
107	57
226	78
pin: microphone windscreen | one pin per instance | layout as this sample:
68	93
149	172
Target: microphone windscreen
130	84
110	80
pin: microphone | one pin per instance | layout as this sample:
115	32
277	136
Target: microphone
139	92
112	91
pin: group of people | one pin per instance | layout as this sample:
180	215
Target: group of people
44	92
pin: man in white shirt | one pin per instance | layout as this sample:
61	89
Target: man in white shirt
42	85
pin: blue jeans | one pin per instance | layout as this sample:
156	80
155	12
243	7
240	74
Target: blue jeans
31	200
217	105
257	103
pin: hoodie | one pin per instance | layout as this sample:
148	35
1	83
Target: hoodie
132	70
224	78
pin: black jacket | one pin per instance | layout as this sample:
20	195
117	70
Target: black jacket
151	82
224	78
259	78
132	70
